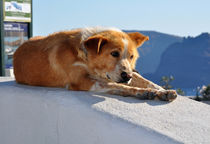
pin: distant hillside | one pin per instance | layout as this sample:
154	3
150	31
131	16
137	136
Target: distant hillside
187	61
151	51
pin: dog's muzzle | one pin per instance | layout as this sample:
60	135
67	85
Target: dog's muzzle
125	77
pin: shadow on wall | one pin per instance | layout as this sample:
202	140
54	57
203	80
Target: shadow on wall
90	97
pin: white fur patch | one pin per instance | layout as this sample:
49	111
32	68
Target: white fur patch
98	88
125	41
124	60
53	62
80	64
67	86
90	31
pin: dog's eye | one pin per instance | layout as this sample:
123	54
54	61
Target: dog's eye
115	54
131	57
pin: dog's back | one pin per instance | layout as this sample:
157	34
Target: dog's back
36	62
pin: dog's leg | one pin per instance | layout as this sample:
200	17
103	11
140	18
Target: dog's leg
139	81
141	93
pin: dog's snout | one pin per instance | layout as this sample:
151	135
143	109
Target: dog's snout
125	76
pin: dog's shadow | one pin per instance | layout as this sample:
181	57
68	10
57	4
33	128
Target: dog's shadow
89	97
133	99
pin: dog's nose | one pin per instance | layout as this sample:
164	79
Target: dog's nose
125	76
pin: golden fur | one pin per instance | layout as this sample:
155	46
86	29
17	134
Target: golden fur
86	59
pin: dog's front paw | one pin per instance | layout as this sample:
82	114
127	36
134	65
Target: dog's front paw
149	94
166	95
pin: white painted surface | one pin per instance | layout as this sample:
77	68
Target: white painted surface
9	72
38	115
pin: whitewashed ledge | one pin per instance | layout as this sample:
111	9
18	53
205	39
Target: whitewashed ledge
37	115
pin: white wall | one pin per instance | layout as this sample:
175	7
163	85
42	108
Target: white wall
37	115
9	72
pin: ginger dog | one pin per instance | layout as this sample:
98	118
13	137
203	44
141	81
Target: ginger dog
90	59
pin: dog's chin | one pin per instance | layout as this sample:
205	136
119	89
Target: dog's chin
109	78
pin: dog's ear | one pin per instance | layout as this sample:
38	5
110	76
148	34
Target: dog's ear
95	43
138	38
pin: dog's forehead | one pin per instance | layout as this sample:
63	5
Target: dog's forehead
119	39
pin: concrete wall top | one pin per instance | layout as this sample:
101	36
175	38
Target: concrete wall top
40	115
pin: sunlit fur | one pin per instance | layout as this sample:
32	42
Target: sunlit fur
77	58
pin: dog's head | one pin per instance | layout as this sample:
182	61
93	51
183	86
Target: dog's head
112	55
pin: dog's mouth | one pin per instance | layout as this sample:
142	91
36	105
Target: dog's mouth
120	81
125	81
108	76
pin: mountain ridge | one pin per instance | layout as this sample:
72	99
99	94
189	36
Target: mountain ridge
151	51
188	61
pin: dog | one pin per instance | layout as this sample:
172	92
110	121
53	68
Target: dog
88	59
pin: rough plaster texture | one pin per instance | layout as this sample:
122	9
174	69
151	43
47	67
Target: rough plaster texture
39	115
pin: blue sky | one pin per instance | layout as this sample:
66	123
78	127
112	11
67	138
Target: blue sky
178	17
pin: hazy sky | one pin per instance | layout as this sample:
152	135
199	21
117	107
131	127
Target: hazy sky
178	17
